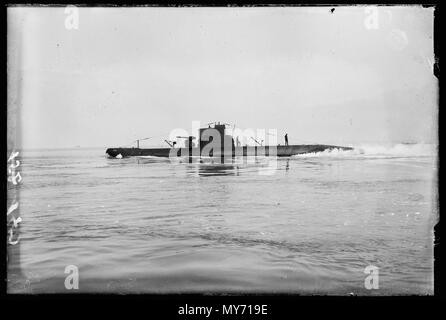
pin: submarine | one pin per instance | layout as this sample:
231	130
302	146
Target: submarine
214	142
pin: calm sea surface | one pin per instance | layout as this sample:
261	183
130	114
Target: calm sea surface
307	224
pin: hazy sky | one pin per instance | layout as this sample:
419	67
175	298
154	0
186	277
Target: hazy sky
135	72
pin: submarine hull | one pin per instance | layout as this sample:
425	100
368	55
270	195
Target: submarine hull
279	151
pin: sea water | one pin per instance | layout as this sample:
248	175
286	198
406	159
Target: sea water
308	224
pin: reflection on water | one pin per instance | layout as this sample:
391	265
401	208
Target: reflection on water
218	170
215	166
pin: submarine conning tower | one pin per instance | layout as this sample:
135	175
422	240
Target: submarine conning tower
213	141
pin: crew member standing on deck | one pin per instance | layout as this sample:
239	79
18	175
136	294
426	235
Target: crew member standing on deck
286	139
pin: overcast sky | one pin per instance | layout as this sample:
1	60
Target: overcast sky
125	73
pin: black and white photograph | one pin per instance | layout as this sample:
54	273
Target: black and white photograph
213	150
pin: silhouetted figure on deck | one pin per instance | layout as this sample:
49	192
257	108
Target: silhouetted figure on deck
189	143
286	139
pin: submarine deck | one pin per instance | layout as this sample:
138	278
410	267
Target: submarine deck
279	151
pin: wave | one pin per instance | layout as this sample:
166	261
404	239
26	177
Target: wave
400	150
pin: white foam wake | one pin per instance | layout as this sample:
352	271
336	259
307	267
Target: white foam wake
380	151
